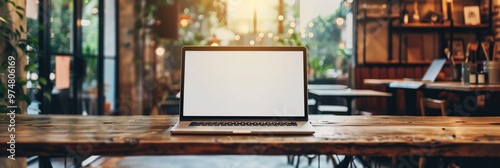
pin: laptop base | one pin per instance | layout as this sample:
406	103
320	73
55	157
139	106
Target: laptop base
302	128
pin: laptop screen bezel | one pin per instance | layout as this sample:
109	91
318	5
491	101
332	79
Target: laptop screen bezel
244	48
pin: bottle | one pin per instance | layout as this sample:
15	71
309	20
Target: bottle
481	79
404	16
485	71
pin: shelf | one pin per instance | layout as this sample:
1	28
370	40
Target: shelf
397	63
377	17
439	26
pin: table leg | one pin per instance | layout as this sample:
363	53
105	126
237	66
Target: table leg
392	107
44	162
490	104
411	102
316	105
345	162
348	101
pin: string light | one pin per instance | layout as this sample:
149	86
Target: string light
311	35
184	22
52	76
237	37
292	24
340	21
281	17
34	76
276	38
261	35
270	35
160	51
290	31
252	42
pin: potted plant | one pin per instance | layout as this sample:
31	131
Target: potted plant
16	47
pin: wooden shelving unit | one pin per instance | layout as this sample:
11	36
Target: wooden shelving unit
441	26
446	30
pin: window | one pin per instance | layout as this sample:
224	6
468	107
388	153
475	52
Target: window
325	27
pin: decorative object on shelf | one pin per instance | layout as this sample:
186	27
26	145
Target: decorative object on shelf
404	16
433	17
454	69
484	49
471	15
457	49
448	55
416	17
447	8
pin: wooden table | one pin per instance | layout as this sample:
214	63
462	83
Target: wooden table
391	104
468	94
326	87
314	109
82	136
347	94
458	86
409	88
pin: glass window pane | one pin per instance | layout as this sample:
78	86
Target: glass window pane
109	84
90	27
110	28
89	85
61	23
32	31
325	27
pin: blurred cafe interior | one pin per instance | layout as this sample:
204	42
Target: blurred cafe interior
365	58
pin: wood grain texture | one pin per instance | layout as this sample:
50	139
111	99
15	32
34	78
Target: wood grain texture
81	136
458	86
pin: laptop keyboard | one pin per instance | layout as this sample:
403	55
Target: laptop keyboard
245	123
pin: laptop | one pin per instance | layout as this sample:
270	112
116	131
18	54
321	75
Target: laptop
243	90
429	76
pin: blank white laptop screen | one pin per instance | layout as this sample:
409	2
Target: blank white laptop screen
244	83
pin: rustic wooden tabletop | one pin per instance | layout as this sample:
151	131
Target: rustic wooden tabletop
57	135
458	86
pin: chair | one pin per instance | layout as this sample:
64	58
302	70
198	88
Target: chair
432	104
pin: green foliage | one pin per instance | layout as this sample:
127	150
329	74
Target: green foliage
60	26
325	43
12	40
319	67
323	48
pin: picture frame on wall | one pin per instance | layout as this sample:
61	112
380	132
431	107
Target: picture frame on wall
458	49
472	15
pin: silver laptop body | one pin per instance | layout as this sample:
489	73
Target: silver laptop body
434	69
429	76
243	90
